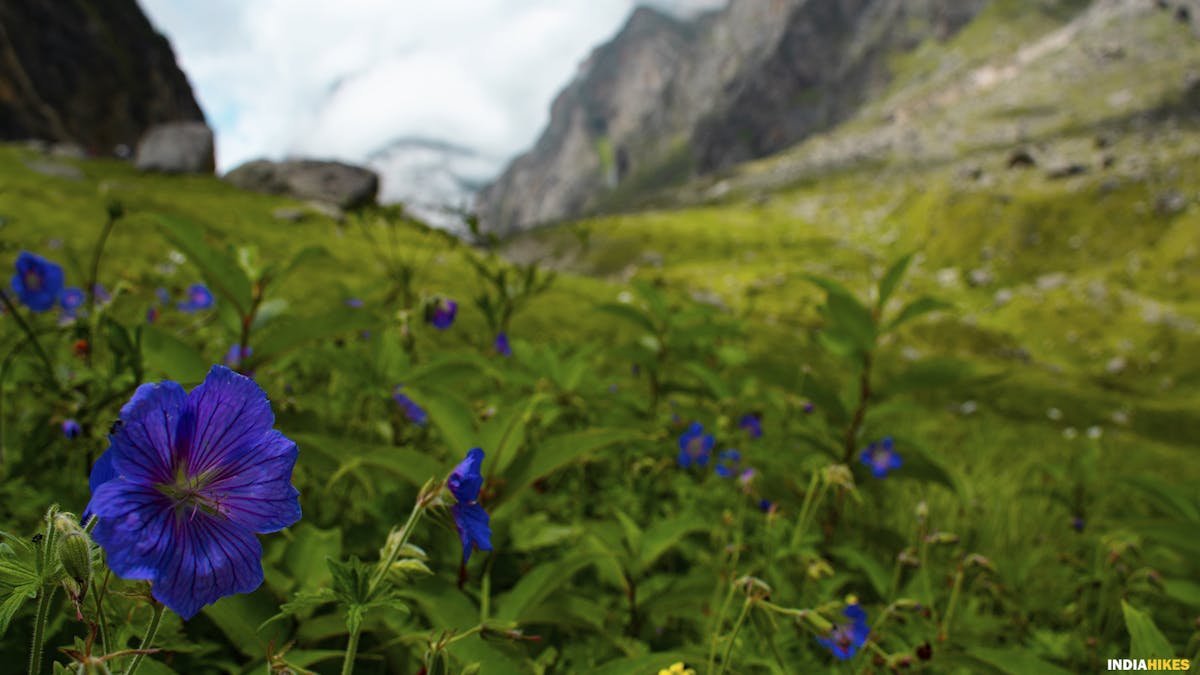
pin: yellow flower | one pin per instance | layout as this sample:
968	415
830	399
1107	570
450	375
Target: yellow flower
677	669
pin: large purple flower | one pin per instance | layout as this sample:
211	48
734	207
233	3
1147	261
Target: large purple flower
186	482
845	638
469	517
37	282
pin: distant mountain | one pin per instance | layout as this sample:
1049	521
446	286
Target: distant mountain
668	98
91	73
435	180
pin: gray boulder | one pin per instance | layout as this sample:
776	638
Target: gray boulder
177	147
343	185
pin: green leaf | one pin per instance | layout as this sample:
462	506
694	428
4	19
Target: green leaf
240	616
290	332
879	577
646	663
12	604
891	279
168	356
851	318
539	584
663	535
306	256
710	379
629	313
504	434
452	416
406	463
556	453
919	464
931	373
222	272
1003	661
1183	590
920	306
306	554
1145	640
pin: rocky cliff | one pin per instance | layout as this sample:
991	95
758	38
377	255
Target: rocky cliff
91	73
668	99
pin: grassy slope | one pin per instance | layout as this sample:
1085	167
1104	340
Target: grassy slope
1127	284
1097	273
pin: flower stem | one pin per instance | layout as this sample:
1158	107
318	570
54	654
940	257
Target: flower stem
39	628
395	546
148	640
12	311
733	636
94	278
351	653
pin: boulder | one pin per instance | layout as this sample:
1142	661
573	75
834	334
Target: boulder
343	185
177	147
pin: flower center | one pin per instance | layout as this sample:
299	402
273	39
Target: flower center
189	494
33	280
695	447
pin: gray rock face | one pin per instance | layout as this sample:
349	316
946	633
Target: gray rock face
91	73
343	185
667	99
177	147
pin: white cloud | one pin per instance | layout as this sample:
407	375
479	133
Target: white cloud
341	79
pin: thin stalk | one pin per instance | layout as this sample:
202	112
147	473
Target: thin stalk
12	311
148	639
860	413
351	653
716	633
39	628
733	636
958	582
393	552
98	592
94	277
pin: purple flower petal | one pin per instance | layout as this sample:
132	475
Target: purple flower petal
227	416
473	528
255	490
466	481
142	446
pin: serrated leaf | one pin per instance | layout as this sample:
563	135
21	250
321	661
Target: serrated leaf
221	272
1145	640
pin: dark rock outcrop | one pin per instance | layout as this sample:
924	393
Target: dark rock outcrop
177	147
343	185
666	99
91	73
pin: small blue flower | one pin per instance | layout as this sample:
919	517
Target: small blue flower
71	429
766	505
356	303
728	463
809	407
441	313
469	517
71	300
163	295
502	346
151	314
101	294
695	446
1077	523
751	423
187	482
412	411
881	457
237	354
846	638
37	282
199	297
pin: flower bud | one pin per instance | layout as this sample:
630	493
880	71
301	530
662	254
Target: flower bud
75	553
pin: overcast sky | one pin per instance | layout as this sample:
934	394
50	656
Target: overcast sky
341	79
